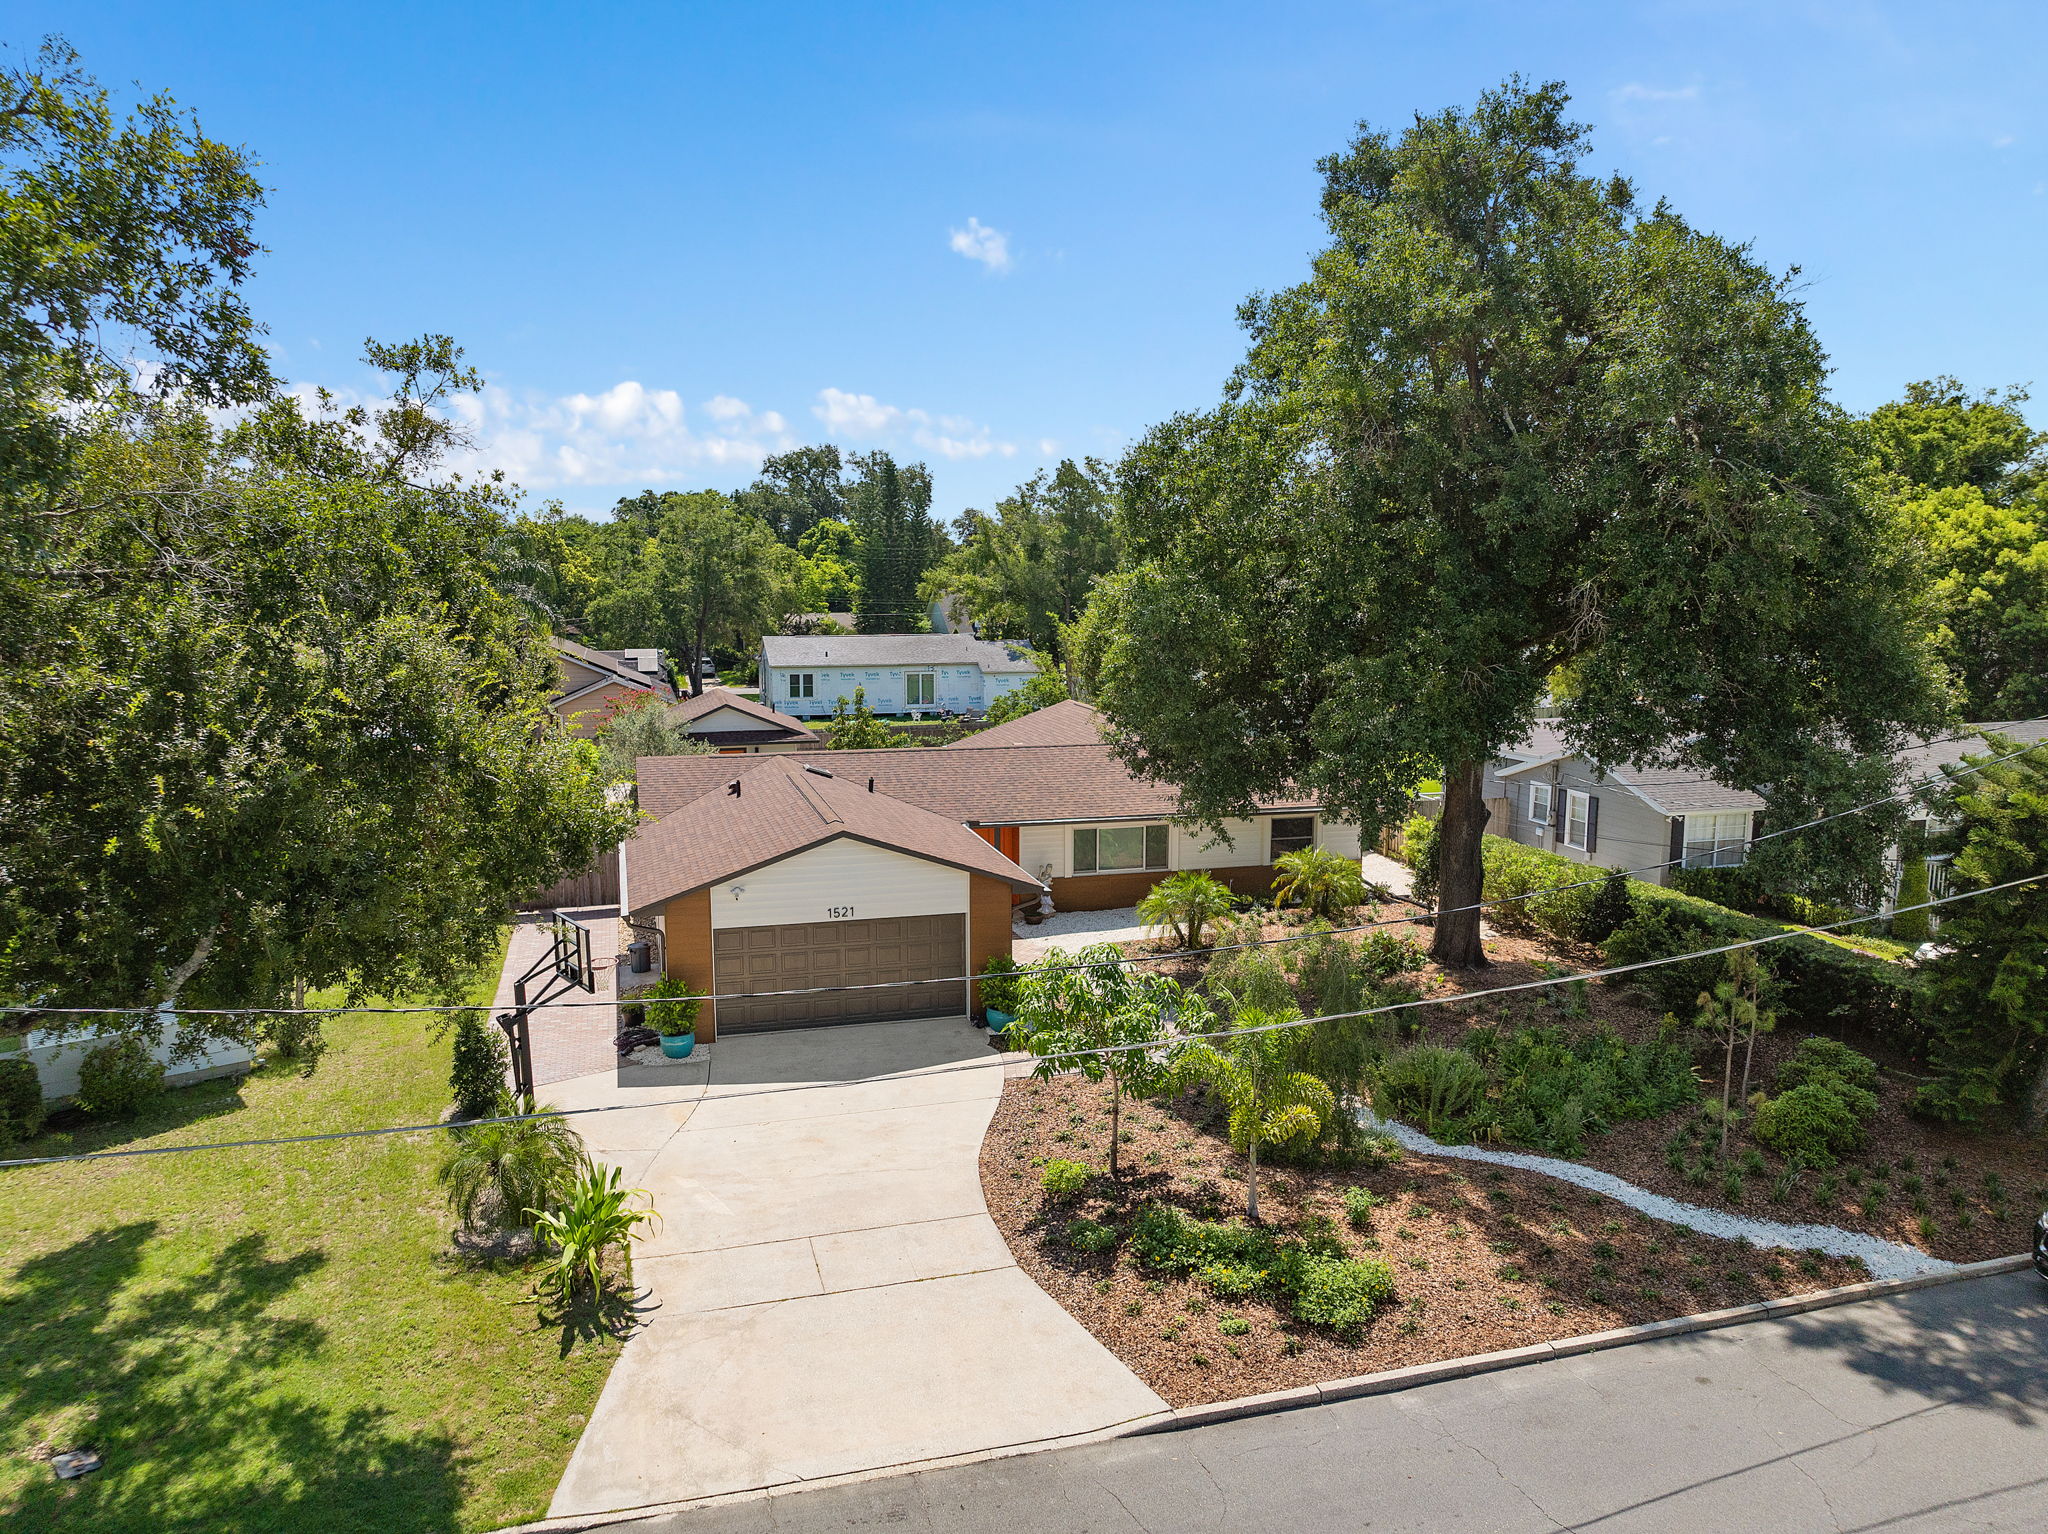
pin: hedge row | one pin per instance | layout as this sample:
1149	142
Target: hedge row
1821	985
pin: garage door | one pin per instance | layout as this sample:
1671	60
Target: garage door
873	952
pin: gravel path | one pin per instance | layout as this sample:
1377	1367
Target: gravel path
1075	930
1885	1259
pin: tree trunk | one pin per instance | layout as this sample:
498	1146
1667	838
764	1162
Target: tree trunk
1252	1183
1727	1081
1460	874
696	670
2035	1113
1116	1103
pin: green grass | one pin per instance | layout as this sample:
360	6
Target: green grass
276	1339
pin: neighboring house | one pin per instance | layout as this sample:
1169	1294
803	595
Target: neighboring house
1543	794
734	724
1065	723
594	682
947	616
58	1057
1924	759
790	876
804	675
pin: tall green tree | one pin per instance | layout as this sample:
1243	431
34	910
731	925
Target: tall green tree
1969	478
1511	423
890	507
796	491
703	573
1025	572
1987	998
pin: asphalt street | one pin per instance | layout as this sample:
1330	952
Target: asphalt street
1928	1412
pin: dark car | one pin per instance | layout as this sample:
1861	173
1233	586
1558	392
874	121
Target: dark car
2041	1245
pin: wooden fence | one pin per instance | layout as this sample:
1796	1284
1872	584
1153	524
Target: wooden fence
596	885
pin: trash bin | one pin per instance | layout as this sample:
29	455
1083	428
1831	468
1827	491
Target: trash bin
641	955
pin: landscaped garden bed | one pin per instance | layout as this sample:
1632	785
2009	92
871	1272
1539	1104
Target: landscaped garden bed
1480	1259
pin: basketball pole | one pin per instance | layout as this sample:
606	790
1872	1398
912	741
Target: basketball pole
569	958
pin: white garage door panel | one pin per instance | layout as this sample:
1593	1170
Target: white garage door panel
844	880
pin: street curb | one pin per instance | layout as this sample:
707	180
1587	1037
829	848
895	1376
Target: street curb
1383	1383
1388	1381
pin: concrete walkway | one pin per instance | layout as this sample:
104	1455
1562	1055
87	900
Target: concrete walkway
828	1293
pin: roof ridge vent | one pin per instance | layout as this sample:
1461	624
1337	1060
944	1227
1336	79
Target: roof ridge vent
819	772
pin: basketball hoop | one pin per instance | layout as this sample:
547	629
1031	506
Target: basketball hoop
567	963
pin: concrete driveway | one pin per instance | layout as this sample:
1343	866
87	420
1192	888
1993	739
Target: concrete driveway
829	1292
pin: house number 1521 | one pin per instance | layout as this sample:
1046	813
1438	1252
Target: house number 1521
838	911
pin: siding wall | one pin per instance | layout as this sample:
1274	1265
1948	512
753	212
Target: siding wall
1240	862
955	687
852	877
686	945
1631	833
585	713
988	924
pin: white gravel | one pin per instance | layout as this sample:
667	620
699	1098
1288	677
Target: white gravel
1075	930
1885	1259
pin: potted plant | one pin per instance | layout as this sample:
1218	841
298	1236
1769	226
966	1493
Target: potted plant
671	1011
999	992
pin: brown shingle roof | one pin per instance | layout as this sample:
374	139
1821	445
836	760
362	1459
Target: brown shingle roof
1065	723
715	698
781	809
998	786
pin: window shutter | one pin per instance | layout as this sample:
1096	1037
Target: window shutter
1677	840
1592	824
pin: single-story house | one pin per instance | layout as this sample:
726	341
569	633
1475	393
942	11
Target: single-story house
1925	758
804	675
734	724
1543	794
794	875
1065	723
594	682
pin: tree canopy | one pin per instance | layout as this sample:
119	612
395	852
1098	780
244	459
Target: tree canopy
1512	422
1025	572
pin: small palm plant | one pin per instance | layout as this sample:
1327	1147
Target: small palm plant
589	1216
496	1174
1323	881
1271	1103
1184	904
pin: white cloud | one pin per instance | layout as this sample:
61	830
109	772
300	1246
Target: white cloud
862	416
1047	447
978	242
1636	91
629	434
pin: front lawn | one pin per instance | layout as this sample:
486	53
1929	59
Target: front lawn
276	1339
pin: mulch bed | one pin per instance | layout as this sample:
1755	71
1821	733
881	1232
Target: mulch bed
1482	1260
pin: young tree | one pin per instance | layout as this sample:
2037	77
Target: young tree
1272	1104
1026	571
1105	1005
705	573
1732	1012
1184	904
1988	992
637	727
1510	424
855	727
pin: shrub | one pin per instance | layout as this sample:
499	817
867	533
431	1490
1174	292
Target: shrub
1818	1057
589	1216
1000	988
1818	1121
1382	955
499	1174
1560	894
1359	1203
1184	904
1253	978
1341	1292
1418	851
1610	907
119	1079
1231	1280
1913	927
21	1101
299	1038
670	1006
476	1072
1429	1085
1090	1236
1063	1179
1325	882
1376	1148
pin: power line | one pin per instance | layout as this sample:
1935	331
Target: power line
1146	958
1455	999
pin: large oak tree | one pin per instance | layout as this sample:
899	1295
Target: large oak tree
1512	425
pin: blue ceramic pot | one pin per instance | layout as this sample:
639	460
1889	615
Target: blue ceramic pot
677	1046
999	1022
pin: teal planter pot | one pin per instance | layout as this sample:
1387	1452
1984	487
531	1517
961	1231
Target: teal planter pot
999	1022
677	1046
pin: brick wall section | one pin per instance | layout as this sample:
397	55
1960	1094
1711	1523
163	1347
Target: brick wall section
1106	892
988	923
686	940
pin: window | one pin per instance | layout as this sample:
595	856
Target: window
803	684
1291	833
1539	804
919	689
1114	849
1720	840
1578	818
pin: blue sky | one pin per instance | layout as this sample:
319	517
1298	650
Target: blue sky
677	236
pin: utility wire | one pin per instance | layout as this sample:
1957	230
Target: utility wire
1454	999
1415	918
